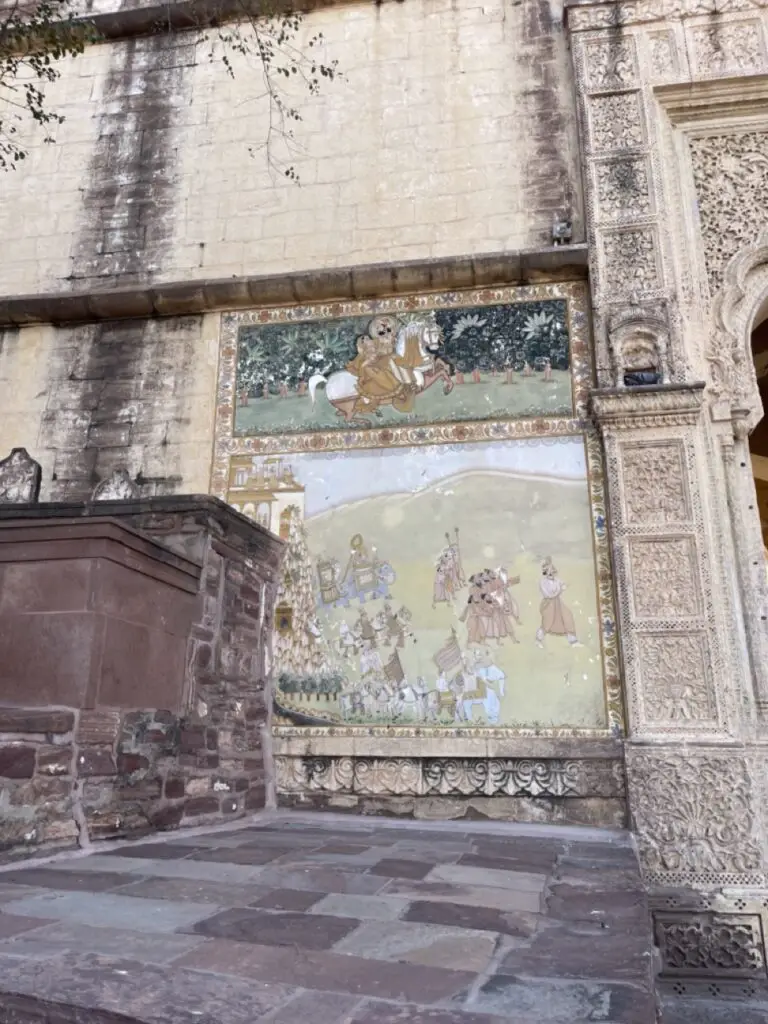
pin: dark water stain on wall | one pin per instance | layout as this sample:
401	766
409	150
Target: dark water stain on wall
116	397
130	192
114	387
551	178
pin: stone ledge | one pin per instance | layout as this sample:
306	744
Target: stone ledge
185	298
653	405
158	516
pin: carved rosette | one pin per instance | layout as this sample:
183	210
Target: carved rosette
449	776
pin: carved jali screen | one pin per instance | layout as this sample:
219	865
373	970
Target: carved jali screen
429	464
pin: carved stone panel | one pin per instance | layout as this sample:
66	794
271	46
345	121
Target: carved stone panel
710	945
731	178
694	817
611	63
664	582
663	56
616	121
675	679
655	489
20	478
726	47
630	261
622	188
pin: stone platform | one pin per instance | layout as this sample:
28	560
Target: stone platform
323	920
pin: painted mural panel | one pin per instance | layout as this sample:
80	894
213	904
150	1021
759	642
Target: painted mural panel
402	366
444	585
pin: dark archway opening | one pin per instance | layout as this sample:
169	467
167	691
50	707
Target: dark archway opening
758	441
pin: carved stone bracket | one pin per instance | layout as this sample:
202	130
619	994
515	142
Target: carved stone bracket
638	338
673	405
20	478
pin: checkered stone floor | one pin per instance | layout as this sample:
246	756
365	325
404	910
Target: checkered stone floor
322	919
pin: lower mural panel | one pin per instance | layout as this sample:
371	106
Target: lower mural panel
450	586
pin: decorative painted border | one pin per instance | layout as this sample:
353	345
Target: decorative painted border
226	445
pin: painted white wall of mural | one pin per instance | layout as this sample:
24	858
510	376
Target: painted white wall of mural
428	462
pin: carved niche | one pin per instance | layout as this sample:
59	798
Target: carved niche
20	478
694	817
638	336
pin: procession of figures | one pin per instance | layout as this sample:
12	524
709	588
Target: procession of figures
466	684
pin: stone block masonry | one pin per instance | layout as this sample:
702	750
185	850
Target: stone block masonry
91	768
153	181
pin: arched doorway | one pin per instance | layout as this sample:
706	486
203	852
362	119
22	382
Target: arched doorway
758	441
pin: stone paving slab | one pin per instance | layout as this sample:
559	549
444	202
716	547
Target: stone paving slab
329	921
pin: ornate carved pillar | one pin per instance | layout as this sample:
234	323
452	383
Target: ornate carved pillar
673	102
696	781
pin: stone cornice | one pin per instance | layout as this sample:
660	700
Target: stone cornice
666	405
184	298
131	21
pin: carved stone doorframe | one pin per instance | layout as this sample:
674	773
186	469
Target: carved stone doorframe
736	403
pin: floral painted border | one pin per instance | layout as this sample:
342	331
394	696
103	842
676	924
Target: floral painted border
227	445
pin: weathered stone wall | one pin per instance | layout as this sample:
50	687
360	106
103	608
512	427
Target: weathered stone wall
452	133
137	394
76	774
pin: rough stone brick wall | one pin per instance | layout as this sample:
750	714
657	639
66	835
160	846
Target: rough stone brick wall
72	775
131	393
453	133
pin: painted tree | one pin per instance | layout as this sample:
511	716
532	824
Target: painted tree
263	36
300	649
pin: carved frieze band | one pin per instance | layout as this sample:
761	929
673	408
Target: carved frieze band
456	777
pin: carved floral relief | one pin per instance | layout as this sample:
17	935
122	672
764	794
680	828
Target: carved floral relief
735	46
655	489
664	583
731	177
676	679
694	817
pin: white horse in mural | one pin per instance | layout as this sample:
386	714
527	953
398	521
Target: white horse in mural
417	364
487	679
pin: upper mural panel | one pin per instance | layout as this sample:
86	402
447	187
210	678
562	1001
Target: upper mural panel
405	366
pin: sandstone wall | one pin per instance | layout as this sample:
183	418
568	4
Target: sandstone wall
137	394
453	132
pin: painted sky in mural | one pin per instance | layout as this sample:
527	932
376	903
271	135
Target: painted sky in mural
436	365
450	585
